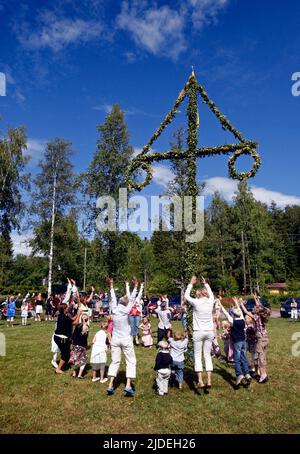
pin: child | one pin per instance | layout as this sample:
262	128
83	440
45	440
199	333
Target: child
49	308
216	351
178	346
24	311
98	355
251	343
162	367
10	311
145	326
110	326
164	316
38	307
241	363
260	316
228	347
294	310
79	345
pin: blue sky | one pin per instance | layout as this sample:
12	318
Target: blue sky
66	62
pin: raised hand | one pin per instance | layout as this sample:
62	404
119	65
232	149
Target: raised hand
110	281
193	280
135	281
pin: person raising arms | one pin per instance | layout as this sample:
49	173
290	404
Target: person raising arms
122	341
203	328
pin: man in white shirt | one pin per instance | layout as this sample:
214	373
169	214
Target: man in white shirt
121	338
203	328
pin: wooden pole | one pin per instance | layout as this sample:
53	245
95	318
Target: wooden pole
244	262
84	269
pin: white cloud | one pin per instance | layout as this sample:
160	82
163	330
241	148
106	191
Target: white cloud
206	11
162	30
227	188
35	148
56	32
158	30
20	244
162	175
15	89
106	108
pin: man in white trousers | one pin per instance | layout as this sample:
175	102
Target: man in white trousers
203	328
122	340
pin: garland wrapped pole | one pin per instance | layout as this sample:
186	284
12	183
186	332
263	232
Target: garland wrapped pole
144	160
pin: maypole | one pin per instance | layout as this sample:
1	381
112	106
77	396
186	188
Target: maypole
144	159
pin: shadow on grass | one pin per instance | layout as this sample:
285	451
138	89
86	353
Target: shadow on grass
226	375
189	378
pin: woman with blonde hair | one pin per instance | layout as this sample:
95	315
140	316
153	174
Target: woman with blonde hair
79	345
203	328
99	349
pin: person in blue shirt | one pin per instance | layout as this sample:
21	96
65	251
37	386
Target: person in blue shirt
238	334
10	311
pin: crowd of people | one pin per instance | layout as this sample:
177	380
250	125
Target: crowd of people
243	334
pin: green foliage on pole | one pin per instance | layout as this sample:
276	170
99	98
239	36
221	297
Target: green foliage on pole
144	160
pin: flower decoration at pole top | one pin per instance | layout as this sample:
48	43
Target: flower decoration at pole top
191	90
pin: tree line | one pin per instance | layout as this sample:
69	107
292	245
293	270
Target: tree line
247	244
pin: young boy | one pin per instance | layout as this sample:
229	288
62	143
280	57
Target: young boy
241	363
162	367
178	346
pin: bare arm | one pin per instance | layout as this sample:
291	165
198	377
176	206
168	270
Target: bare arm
76	319
91	295
256	299
245	310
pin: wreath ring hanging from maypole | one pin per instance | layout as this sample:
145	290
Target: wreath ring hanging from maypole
144	159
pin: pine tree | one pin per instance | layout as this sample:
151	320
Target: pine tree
106	175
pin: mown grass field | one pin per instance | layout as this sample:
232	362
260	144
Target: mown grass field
34	400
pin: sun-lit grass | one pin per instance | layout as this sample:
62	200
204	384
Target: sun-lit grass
35	400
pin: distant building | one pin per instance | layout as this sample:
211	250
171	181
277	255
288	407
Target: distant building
278	288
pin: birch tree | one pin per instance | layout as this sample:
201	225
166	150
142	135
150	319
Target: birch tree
54	190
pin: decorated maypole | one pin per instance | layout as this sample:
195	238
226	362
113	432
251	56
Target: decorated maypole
144	160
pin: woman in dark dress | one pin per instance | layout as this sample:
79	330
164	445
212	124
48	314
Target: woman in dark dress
63	334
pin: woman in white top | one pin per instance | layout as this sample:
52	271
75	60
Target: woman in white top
203	328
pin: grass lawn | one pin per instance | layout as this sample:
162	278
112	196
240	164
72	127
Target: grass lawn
35	400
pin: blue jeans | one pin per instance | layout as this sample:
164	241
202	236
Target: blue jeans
241	363
178	368
134	321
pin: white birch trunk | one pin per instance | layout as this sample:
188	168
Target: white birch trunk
52	233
